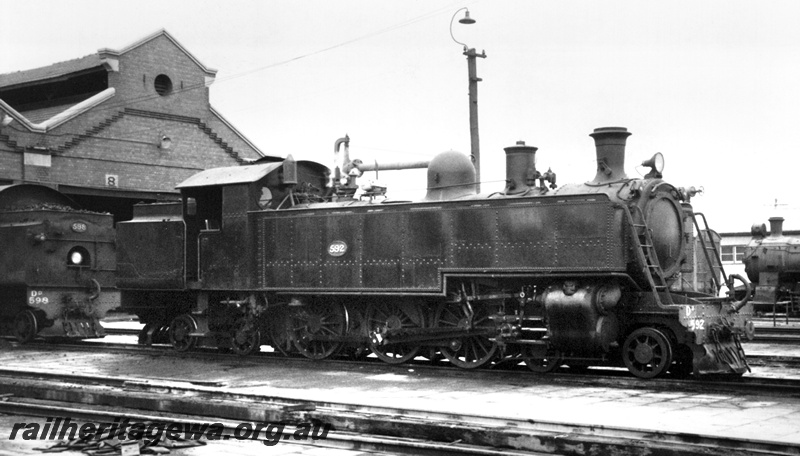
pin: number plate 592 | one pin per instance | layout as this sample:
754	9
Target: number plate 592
337	248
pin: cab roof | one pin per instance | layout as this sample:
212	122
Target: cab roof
229	175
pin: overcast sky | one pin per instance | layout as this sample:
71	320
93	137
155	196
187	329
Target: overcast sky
713	85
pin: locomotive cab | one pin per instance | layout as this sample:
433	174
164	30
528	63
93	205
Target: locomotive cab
216	204
200	251
207	234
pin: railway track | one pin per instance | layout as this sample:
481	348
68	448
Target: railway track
102	399
757	360
606	377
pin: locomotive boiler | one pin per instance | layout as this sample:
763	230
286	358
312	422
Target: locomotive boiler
279	253
772	263
58	264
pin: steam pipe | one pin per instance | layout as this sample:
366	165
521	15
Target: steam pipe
337	145
337	174
375	166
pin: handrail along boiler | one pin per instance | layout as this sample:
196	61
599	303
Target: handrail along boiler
281	253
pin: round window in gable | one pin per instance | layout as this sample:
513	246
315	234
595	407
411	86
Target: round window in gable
163	85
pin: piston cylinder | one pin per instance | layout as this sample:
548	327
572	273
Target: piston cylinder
582	319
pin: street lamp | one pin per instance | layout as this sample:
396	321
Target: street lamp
472	72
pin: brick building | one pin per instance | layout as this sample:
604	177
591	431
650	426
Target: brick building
116	127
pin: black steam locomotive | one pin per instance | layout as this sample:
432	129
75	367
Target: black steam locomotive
772	262
57	267
281	253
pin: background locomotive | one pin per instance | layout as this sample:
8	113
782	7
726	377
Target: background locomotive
57	267
579	276
772	263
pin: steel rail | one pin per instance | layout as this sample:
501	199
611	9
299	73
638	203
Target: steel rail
430	431
615	378
341	440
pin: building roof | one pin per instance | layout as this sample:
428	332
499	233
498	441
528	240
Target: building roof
66	114
41	119
105	57
749	234
49	72
106	52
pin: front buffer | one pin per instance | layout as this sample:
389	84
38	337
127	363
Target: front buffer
716	330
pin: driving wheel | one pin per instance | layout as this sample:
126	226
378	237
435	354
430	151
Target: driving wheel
318	330
467	352
246	337
647	353
383	318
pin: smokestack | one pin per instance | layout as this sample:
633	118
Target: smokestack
776	226
520	168
610	145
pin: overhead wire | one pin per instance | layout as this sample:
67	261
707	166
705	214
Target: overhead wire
136	100
144	98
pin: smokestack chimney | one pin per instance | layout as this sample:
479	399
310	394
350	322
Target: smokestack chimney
520	168
610	145
776	226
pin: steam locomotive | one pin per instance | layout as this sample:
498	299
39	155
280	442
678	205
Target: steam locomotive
57	267
772	262
283	253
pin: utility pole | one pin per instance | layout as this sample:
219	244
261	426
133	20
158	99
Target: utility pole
473	111
472	73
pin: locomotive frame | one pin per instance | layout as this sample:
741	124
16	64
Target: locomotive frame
574	277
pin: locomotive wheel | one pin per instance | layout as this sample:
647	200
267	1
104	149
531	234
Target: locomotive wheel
25	326
647	353
356	327
539	365
281	341
246	337
468	352
326	320
179	331
389	316
280	334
